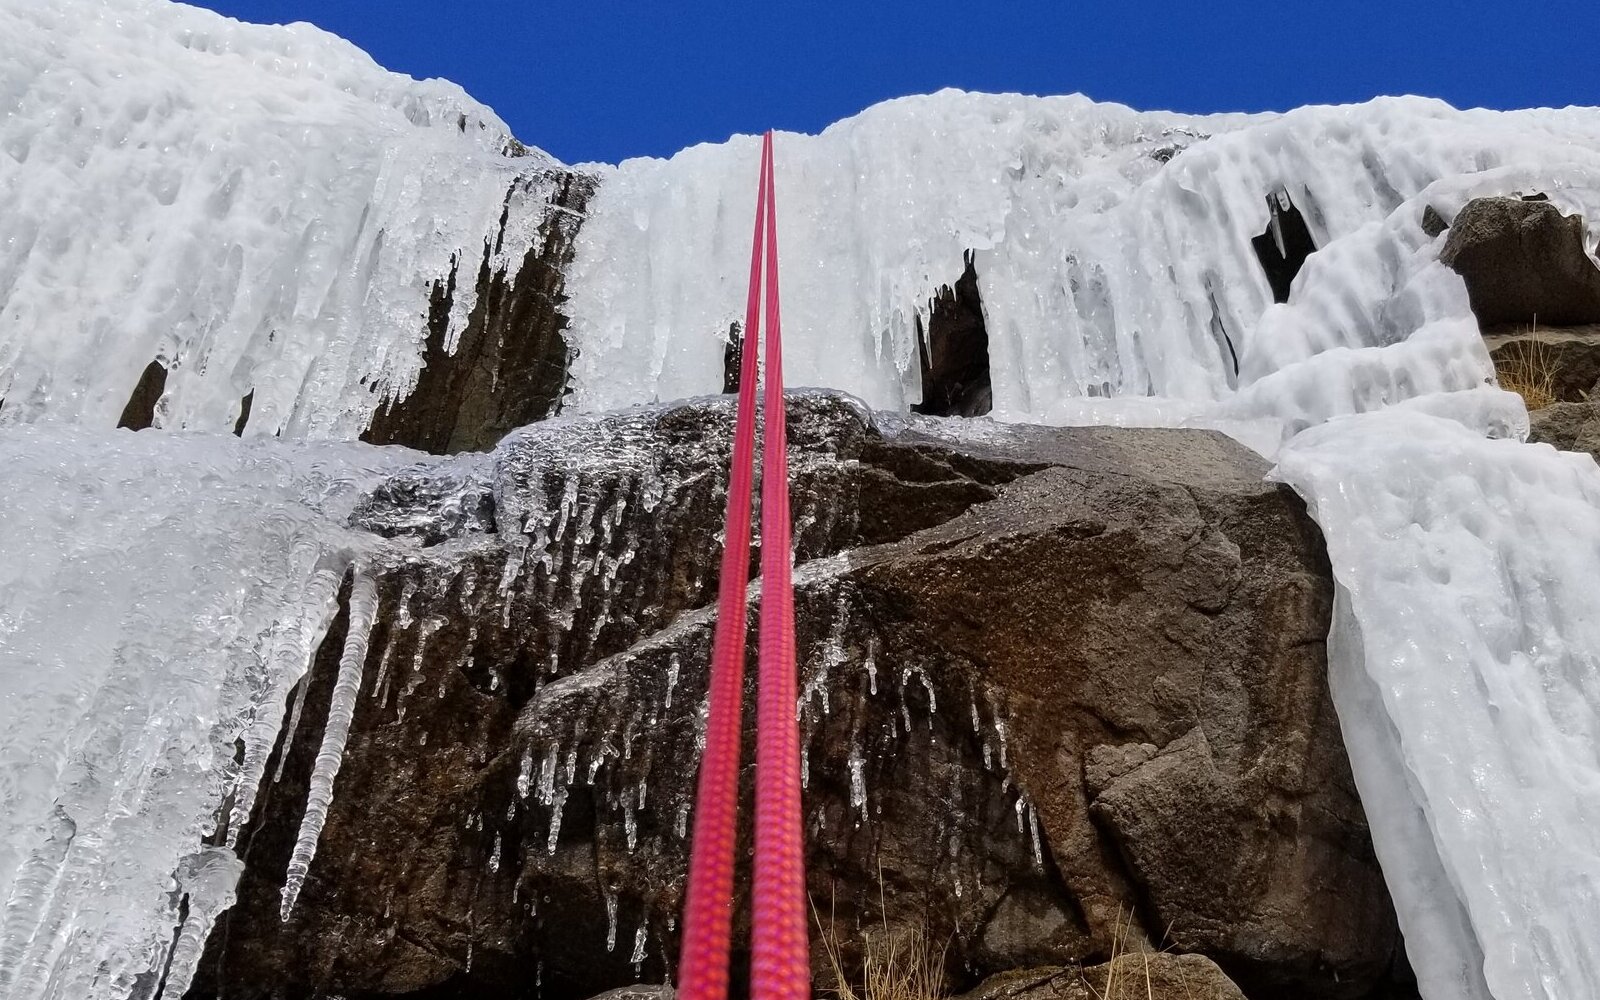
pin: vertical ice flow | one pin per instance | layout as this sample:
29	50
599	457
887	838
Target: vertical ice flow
363	608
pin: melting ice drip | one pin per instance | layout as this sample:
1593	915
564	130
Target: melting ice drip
265	209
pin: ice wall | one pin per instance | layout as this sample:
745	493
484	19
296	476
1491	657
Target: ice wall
261	208
1467	677
159	596
1112	246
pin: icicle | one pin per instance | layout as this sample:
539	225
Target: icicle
363	606
289	661
403	612
672	677
1033	826
547	776
555	820
293	727
640	936
209	880
494	858
525	774
611	920
858	778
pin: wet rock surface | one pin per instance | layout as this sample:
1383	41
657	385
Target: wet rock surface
1058	685
508	366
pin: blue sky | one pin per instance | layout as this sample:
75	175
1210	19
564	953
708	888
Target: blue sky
608	79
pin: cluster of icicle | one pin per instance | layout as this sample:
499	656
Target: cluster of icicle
161	597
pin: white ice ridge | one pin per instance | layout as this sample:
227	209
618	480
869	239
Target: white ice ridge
155	598
262	208
1113	248
1466	672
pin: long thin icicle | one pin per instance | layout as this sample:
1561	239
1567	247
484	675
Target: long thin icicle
290	660
363	607
209	880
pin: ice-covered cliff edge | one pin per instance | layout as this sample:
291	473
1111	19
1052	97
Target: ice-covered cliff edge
268	215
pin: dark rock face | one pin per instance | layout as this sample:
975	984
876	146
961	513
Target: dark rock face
1432	222
509	365
1059	687
954	353
1523	263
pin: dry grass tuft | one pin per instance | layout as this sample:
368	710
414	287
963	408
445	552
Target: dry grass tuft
1527	367
898	963
1128	973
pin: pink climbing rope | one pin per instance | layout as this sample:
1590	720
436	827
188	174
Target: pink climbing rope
780	967
780	963
708	910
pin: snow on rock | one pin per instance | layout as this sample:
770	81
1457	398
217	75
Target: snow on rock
159	596
259	209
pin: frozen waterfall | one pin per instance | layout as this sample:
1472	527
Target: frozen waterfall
264	211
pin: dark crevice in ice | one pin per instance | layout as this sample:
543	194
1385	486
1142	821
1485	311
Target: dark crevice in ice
1285	245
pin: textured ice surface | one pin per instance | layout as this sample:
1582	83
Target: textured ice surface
158	596
1466	671
262	208
1112	247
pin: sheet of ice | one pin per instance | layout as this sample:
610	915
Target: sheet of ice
261	208
150	586
1468	684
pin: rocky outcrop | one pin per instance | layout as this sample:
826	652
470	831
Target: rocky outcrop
1568	426
508	366
1062	688
1141	976
1564	362
1523	263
